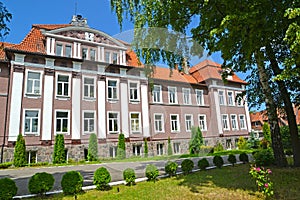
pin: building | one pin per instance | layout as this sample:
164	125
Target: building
74	80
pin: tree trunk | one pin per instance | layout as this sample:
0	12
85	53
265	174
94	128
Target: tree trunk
280	159
288	107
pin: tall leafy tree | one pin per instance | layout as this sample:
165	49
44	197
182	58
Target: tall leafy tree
121	152
93	148
20	152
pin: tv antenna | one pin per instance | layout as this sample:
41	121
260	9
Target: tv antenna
75	8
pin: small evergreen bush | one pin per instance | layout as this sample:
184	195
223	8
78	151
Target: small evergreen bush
264	157
72	183
102	178
244	157
145	148
151	172
187	165
93	148
121	151
218	161
218	147
59	149
129	176
196	140
170	151
20	152
40	183
231	159
204	150
242	143
171	168
8	189
203	164
6	165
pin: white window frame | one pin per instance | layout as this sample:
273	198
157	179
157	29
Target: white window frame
83	121
241	104
154	94
69	85
173	121
65	133
160	151
202	124
41	84
134	149
234	120
176	147
197	91
227	122
191	122
244	119
89	97
109	58
118	122
114	151
71	52
162	123
117	89
39	122
138	91
117	58
90	55
230	99
175	95
223	97
187	100
62	49
139	123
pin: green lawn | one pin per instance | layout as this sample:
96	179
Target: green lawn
226	183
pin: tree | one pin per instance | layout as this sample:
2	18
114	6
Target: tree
121	147
267	133
20	152
93	148
242	143
196	140
145	148
59	150
170	151
5	18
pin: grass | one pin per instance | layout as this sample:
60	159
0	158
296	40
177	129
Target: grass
225	183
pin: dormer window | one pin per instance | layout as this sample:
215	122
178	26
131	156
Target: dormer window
89	36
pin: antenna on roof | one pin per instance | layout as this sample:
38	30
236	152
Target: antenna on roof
75	8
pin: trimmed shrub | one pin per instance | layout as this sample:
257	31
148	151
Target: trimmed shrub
264	157
129	176
6	165
121	153
20	152
8	189
40	183
145	148
102	178
93	148
203	164
232	159
59	149
187	165
151	172
218	161
244	158
204	150
171	168
72	183
218	147
196	140
242	143
170	151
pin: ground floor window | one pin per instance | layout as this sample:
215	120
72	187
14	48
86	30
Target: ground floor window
113	151
160	149
137	150
31	157
228	144
85	152
176	148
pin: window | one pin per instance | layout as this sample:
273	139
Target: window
137	150
89	87
135	125
115	58
92	54
221	97
176	148
62	122
62	85
186	95
225	122
112	90
242	122
172	94
199	97
160	149
33	83
239	99
89	122
68	50
113	123
202	122
158	123
113	151
234	124
31	122
157	95
230	98
31	157
188	122
228	144
84	53
58	49
133	91
107	57
174	123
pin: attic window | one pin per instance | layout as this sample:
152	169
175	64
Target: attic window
89	36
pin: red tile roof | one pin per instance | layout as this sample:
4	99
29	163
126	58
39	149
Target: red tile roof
50	26
174	75
2	46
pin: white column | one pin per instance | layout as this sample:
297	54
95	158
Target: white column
248	117
15	106
48	45
76	104
47	108
218	112
52	46
102	54
75	50
145	110
101	109
79	50
99	54
124	107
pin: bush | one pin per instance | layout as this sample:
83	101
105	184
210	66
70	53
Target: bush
171	168
231	159
264	157
244	158
8	189
129	176
218	147
93	148
145	148
59	149
242	143
187	165
72	183
121	152
151	172
204	150
196	140
40	183
203	164
6	165
20	152
38	164
170	151
218	161
102	178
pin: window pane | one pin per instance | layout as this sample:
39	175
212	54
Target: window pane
34	125
88	115
86	125
27	125
66	89
31	114
59	88
62	78
89	81
65	125
29	86
68	51
62	114
58	125
92	125
34	75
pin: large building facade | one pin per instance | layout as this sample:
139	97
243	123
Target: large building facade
74	80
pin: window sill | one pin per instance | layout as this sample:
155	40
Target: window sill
134	101
89	98
63	98
31	134
136	133
63	133
36	96
112	100
113	133
175	132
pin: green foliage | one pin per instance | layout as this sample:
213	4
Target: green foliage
59	149
102	178
242	143
267	132
129	176
151	172
187	166
264	157
121	152
253	142
72	183
145	148
196	140
204	150
20	152
218	147
262	180
171	168
218	161
232	159
8	189
6	165
286	137
5	18
203	164
243	157
93	148
170	151
40	183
